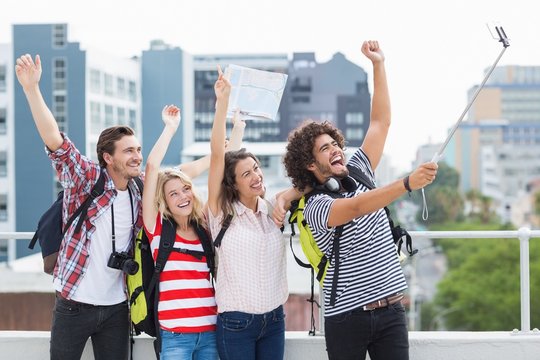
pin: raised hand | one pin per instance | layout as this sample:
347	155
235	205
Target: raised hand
372	51
222	87
28	72
171	116
423	175
237	120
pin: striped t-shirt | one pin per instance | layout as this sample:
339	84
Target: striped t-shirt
369	266
186	296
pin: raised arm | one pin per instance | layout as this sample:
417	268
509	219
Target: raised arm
380	117
222	88
171	119
344	210
197	167
29	73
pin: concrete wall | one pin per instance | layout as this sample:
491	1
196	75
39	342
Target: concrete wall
424	346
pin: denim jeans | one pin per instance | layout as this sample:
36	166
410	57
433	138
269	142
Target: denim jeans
382	332
243	336
73	323
189	346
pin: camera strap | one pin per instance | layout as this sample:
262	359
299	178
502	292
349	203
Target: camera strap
113	236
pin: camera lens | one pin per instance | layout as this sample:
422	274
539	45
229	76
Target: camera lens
130	267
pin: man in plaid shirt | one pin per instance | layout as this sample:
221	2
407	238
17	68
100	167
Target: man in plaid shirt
91	299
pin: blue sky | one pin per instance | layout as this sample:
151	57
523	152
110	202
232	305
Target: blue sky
435	51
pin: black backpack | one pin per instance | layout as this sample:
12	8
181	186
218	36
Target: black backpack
143	287
49	231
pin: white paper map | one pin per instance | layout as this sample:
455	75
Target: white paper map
256	93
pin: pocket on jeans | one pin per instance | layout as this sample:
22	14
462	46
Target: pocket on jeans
279	315
235	321
339	318
397	308
66	308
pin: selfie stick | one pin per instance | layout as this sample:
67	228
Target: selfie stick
438	155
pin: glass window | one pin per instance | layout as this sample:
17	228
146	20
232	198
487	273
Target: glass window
3	121
355	134
59	35
108	84
95	117
109	116
354	118
95	81
3	207
2	78
132	91
3	163
121	116
59	109
121	88
132	119
59	74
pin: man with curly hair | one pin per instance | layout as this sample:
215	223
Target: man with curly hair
363	310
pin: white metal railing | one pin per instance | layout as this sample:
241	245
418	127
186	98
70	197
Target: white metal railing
523	235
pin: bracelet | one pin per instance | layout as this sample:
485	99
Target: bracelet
406	184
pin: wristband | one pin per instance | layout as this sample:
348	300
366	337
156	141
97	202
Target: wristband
406	184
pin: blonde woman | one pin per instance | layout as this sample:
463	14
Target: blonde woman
187	308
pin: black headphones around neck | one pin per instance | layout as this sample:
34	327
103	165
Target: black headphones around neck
334	184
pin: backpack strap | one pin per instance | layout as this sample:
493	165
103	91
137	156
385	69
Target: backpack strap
207	247
97	190
139	183
82	210
398	233
224	227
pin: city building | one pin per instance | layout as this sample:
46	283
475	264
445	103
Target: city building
85	89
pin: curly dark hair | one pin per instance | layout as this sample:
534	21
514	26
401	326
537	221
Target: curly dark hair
229	193
299	152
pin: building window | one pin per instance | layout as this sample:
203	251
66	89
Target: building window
59	109
121	116
3	207
108	84
132	91
109	116
3	164
265	161
355	134
59	35
3	121
132	119
2	78
59	74
121	88
95	117
95	81
354	118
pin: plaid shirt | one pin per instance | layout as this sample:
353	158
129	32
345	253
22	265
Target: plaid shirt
78	174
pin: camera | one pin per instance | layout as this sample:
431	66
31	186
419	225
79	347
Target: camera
122	261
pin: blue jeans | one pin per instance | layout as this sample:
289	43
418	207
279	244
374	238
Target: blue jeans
382	332
188	346
73	323
243	336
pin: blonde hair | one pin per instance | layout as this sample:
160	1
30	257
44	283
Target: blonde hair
161	204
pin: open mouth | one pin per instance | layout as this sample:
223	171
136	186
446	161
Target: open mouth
184	204
336	160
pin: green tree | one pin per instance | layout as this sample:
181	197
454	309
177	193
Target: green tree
481	291
444	200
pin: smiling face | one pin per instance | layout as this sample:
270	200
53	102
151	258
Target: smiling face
329	159
248	179
178	197
125	161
